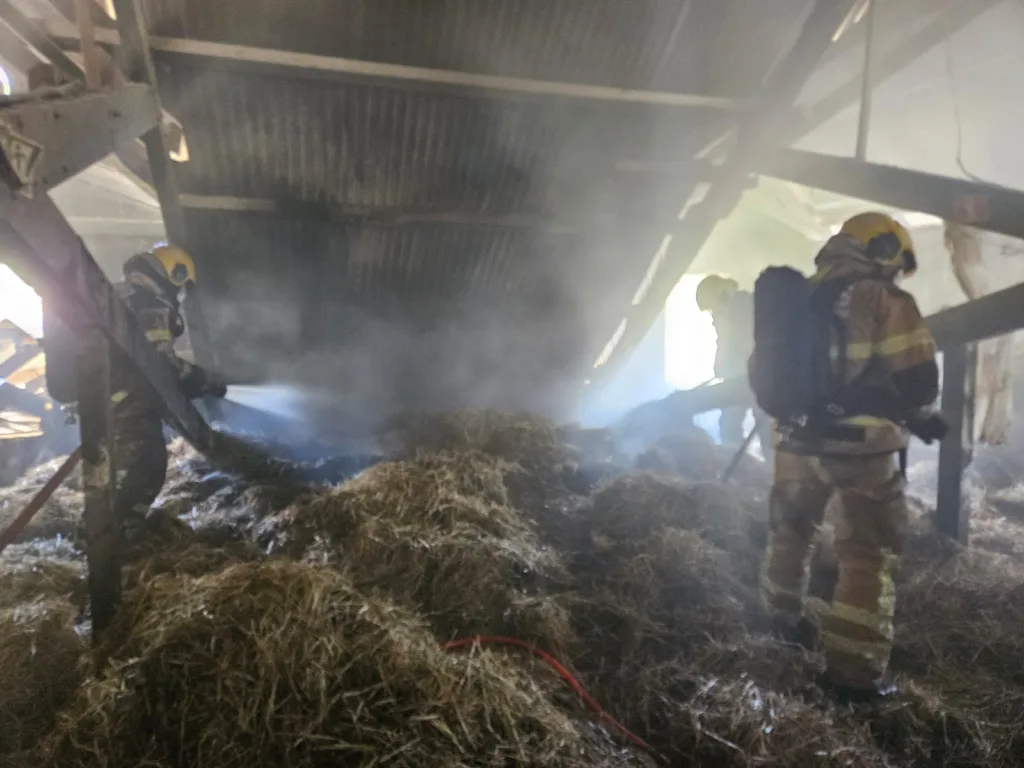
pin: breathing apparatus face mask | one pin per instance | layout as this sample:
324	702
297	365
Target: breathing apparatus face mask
187	292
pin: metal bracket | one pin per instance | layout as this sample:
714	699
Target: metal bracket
47	141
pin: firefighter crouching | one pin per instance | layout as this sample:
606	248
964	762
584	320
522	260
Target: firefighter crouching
152	289
880	360
732	313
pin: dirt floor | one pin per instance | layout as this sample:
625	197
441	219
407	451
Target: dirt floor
392	610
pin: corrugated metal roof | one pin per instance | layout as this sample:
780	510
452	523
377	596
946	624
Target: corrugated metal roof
487	300
384	147
724	49
306	257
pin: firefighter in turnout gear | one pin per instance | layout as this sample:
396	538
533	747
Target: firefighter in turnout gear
883	357
152	288
732	313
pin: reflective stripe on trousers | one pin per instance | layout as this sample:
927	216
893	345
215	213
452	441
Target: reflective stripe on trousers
870	528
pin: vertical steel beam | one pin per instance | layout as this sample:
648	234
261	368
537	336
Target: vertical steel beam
952	516
98	474
867	83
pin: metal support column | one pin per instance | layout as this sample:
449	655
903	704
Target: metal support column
952	516
867	84
98	475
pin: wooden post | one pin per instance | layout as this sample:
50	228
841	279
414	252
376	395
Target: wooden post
952	516
90	53
103	536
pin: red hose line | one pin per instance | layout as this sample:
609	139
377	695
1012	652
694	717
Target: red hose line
566	675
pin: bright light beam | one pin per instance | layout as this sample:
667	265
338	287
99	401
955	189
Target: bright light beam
19	303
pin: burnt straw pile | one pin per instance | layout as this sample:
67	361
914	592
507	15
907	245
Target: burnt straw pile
327	613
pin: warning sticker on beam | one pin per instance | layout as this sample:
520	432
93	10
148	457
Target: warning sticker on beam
22	154
971	209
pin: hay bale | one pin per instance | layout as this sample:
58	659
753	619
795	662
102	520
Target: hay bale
633	507
922	728
675	591
59	516
531	446
436	492
699	719
168	546
39	670
437	535
689	453
961	611
289	665
771	663
524	439
34	579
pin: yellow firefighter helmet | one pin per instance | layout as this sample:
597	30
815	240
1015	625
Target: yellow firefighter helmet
886	241
176	264
713	290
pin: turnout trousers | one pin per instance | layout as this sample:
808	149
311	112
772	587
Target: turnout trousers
140	456
857	632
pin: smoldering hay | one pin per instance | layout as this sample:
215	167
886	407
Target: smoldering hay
268	624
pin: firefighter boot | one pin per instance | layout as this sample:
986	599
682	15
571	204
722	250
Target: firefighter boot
882	689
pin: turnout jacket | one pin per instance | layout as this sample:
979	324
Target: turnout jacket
160	320
886	354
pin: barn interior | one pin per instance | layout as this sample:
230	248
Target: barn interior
442	249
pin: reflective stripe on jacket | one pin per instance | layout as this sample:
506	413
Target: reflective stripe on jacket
158	318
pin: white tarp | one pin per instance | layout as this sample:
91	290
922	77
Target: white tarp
984	262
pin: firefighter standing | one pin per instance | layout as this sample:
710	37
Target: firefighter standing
152	288
732	312
891	379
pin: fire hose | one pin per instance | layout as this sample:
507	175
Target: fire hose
565	675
